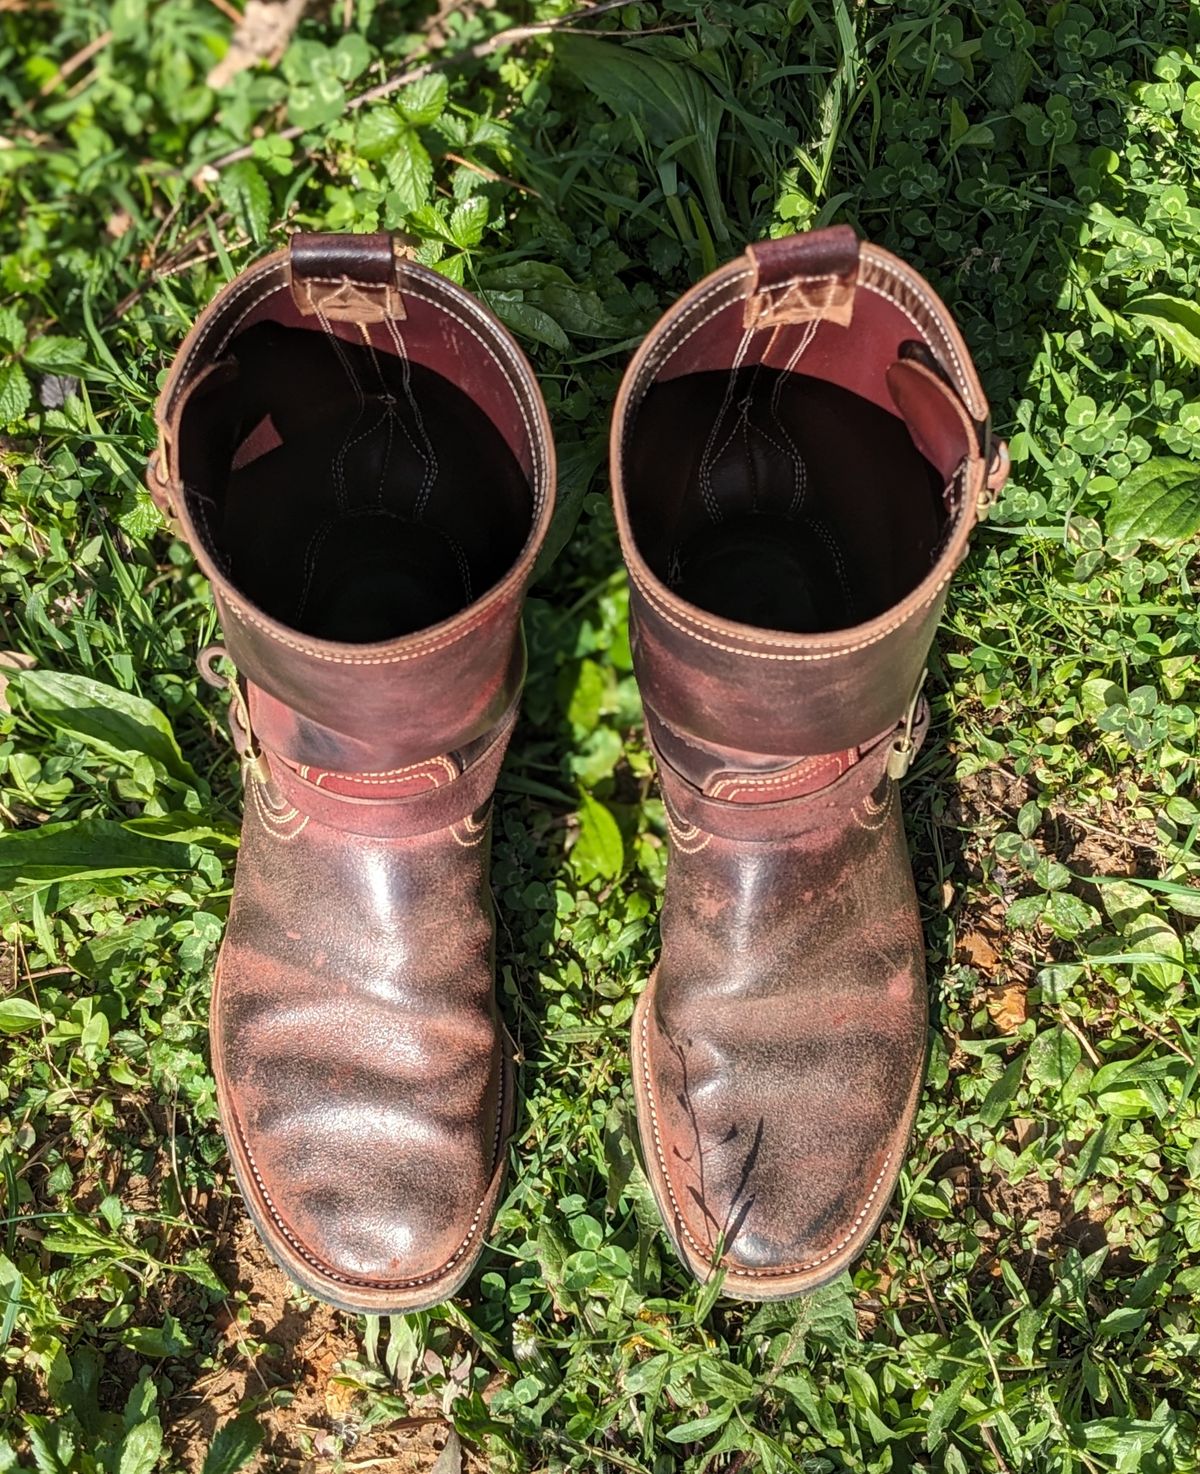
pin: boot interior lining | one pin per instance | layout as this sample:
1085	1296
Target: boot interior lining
780	500
347	492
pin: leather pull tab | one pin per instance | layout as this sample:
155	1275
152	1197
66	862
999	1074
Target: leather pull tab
939	425
346	278
803	278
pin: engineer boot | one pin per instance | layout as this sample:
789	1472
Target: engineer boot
360	458
800	450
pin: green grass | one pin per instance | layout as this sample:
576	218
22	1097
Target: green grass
1032	1300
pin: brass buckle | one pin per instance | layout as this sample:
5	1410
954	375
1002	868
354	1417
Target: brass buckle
903	748
253	758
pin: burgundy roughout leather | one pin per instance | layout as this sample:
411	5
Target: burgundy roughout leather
360	458
799	452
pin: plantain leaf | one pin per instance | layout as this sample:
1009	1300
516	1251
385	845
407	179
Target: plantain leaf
85	848
113	722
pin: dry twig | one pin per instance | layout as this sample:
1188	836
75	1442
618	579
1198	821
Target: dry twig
73	63
261	34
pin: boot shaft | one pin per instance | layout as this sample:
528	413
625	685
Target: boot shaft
799	451
360	458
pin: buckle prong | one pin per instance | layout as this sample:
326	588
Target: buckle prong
903	748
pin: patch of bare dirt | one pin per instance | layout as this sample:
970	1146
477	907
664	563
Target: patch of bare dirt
284	1359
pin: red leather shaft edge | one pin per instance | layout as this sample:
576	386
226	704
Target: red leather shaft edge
439	701
439	804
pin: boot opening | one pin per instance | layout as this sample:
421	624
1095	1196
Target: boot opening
346	490
780	500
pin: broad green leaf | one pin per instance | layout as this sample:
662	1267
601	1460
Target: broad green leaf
996	1101
114	722
467	222
138	515
141	1448
930	1205
143	1395
13	331
945	1405
528	321
51	1445
233	1445
1174	320
1053	1057
577	309
1149	933
316	95
587	1231
599	852
378	131
1159	501
409	170
245	194
351	56
1068	915
85	847
55	355
699	1428
15	393
185	827
157	1342
17	1014
422	102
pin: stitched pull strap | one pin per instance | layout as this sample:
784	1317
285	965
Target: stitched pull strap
801	278
346	278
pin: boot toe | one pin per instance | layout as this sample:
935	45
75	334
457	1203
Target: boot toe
371	1168
374	1219
772	1166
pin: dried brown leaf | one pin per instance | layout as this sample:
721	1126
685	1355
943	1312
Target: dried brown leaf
262	34
1008	1007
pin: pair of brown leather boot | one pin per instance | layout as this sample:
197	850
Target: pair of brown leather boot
359	456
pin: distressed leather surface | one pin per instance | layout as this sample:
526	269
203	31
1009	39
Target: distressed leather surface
357	1046
369	540
778	1049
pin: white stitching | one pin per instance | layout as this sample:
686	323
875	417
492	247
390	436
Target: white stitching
783	655
914	286
480	832
881	810
276	825
387	775
679	1218
684	835
738	781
